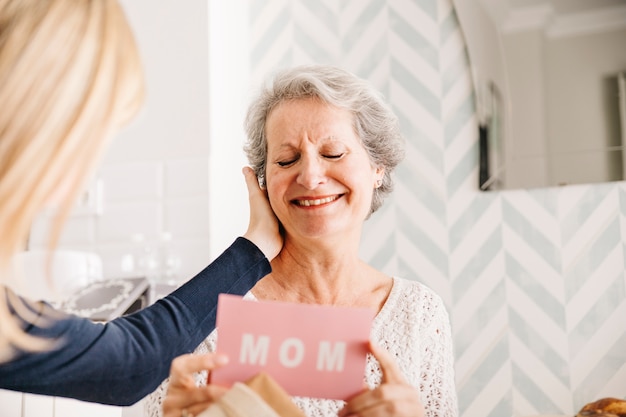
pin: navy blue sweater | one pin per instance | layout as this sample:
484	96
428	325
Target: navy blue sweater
120	362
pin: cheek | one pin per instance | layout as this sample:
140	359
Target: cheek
275	189
277	180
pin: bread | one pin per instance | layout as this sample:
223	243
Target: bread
605	407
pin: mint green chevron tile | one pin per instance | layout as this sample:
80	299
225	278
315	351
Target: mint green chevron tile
457	120
472	214
556	362
547	198
435	254
428	6
595	254
504	407
413	85
377	54
316	50
421	141
324	16
495	359
530	284
404	28
465	168
367	14
599	310
448	26
422	190
533	392
583	210
531	233
610	366
385	253
262	46
492	303
485	255
456	70
622	200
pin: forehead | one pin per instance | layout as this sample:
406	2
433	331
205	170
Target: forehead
310	118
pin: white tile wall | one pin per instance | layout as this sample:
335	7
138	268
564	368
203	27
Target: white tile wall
134	181
120	221
187	218
78	231
155	175
186	177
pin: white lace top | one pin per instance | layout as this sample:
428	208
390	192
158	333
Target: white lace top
413	326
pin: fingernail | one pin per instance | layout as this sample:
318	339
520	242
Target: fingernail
221	359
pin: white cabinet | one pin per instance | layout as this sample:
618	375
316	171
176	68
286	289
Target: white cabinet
10	404
64	407
37	406
15	404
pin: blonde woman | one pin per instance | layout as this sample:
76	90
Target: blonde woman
70	74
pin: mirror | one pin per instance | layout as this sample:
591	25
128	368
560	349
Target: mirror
549	78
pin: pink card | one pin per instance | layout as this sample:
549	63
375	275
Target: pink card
310	350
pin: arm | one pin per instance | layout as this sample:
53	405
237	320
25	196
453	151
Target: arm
120	362
438	363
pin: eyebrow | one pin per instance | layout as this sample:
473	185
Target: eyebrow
330	138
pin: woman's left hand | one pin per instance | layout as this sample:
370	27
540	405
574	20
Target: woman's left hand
394	396
183	397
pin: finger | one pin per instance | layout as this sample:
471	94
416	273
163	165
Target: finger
263	228
193	400
193	410
178	397
386	400
388	366
252	182
185	366
196	409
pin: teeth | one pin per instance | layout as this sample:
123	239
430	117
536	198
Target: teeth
316	202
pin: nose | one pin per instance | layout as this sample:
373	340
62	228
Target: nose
312	172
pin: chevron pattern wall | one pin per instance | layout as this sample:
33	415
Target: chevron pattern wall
533	279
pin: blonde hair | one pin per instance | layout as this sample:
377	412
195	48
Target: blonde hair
70	73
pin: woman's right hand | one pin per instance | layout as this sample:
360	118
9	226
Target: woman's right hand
183	396
394	396
263	229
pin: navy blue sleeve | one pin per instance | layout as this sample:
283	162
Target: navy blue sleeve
120	362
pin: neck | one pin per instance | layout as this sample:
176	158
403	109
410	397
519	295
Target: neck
320	274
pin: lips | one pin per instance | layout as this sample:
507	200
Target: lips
311	202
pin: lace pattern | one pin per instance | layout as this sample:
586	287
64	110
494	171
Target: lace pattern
413	326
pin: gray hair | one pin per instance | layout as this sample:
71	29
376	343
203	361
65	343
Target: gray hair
374	121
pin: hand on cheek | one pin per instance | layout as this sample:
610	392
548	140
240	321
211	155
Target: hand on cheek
394	397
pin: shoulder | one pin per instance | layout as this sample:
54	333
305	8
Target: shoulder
414	301
414	291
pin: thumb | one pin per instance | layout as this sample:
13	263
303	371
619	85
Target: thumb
391	372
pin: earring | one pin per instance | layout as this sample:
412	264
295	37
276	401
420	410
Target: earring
379	183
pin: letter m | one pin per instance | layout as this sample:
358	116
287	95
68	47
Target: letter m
254	352
329	358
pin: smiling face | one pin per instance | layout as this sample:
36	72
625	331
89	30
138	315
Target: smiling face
319	177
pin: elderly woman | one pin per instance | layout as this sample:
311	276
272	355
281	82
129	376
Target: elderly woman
324	145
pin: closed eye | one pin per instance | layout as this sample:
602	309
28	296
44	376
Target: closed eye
286	163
